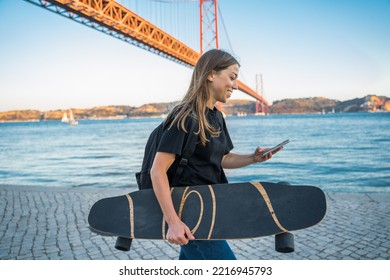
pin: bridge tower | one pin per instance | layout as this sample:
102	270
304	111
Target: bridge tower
208	25
261	108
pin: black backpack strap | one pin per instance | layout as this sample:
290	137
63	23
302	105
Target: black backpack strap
188	151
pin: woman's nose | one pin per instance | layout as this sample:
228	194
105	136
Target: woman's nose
235	84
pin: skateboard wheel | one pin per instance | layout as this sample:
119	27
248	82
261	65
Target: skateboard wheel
284	242
123	243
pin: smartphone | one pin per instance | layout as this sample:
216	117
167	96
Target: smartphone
275	147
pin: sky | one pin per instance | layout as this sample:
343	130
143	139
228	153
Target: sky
338	49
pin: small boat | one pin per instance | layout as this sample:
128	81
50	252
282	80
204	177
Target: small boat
72	121
241	114
69	120
65	118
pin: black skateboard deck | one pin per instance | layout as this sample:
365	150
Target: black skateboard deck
222	211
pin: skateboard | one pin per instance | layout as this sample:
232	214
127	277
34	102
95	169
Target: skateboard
212	212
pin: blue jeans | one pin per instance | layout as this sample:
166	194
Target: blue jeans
206	250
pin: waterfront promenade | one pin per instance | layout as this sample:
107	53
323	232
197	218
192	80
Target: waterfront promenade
51	223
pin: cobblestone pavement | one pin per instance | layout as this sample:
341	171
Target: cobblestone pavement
51	223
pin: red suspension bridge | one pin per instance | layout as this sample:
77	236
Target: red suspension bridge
114	19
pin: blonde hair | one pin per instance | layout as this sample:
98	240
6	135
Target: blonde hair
194	103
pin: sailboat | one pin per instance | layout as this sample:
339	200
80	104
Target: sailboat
72	121
69	120
65	118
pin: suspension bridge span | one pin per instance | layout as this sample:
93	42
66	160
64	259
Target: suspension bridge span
114	19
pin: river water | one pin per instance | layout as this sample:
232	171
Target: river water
337	152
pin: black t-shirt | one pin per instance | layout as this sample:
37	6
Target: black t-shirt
204	167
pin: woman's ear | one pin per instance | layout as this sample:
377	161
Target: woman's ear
210	77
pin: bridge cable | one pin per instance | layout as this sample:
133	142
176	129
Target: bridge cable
229	42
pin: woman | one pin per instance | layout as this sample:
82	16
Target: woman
213	80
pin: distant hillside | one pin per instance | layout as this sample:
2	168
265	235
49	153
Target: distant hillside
232	107
322	104
302	105
25	115
152	109
368	103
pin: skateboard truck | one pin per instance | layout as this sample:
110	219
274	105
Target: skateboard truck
284	242
123	243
